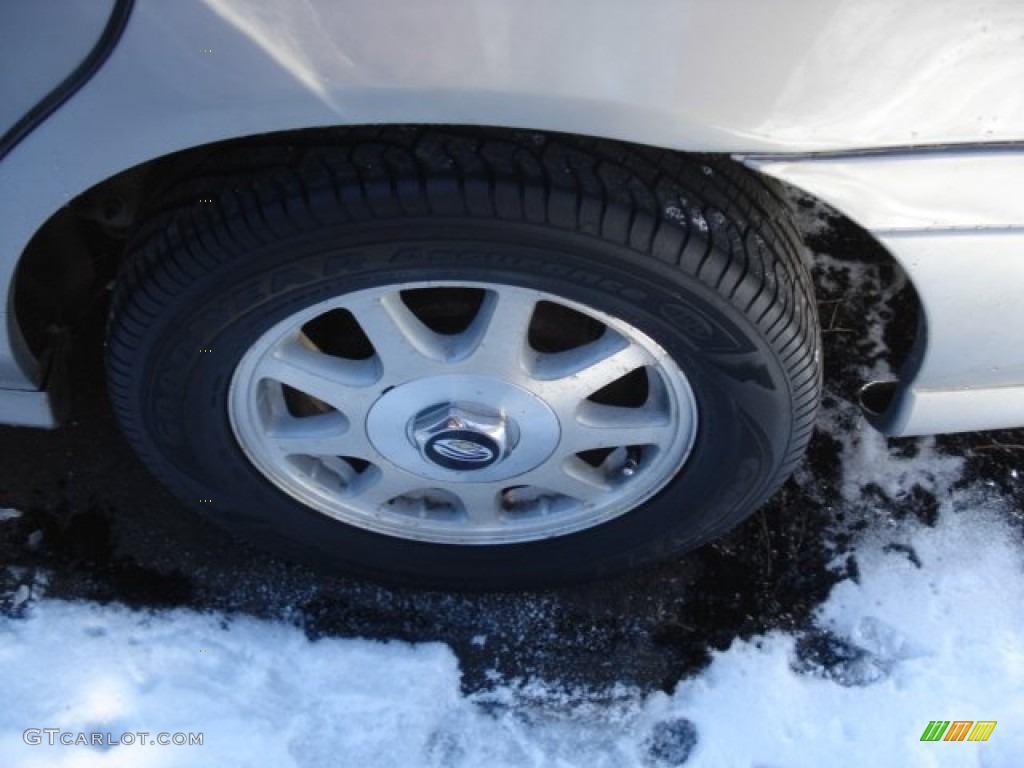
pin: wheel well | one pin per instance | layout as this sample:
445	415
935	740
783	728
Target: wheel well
72	259
886	300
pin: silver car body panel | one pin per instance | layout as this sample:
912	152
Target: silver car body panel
944	189
42	43
746	77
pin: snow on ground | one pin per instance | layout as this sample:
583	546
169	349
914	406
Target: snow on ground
942	640
933	630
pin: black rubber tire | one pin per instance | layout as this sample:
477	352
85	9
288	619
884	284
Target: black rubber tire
695	251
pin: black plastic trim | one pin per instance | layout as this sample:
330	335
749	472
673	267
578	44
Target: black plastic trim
68	87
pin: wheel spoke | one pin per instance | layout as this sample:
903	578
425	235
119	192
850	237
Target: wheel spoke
325	434
497	337
580	372
343	384
609	426
404	345
381	485
573	477
481	503
335	472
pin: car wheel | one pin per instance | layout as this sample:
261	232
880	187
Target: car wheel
467	358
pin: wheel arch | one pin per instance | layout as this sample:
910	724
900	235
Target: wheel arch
59	271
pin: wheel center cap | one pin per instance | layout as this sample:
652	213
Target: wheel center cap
463	428
463	436
462	450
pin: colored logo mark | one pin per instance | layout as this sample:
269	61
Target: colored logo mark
958	730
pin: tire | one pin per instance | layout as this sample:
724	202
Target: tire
467	358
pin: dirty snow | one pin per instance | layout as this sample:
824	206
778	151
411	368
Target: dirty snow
932	629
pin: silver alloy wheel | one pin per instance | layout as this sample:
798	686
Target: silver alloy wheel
528	417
